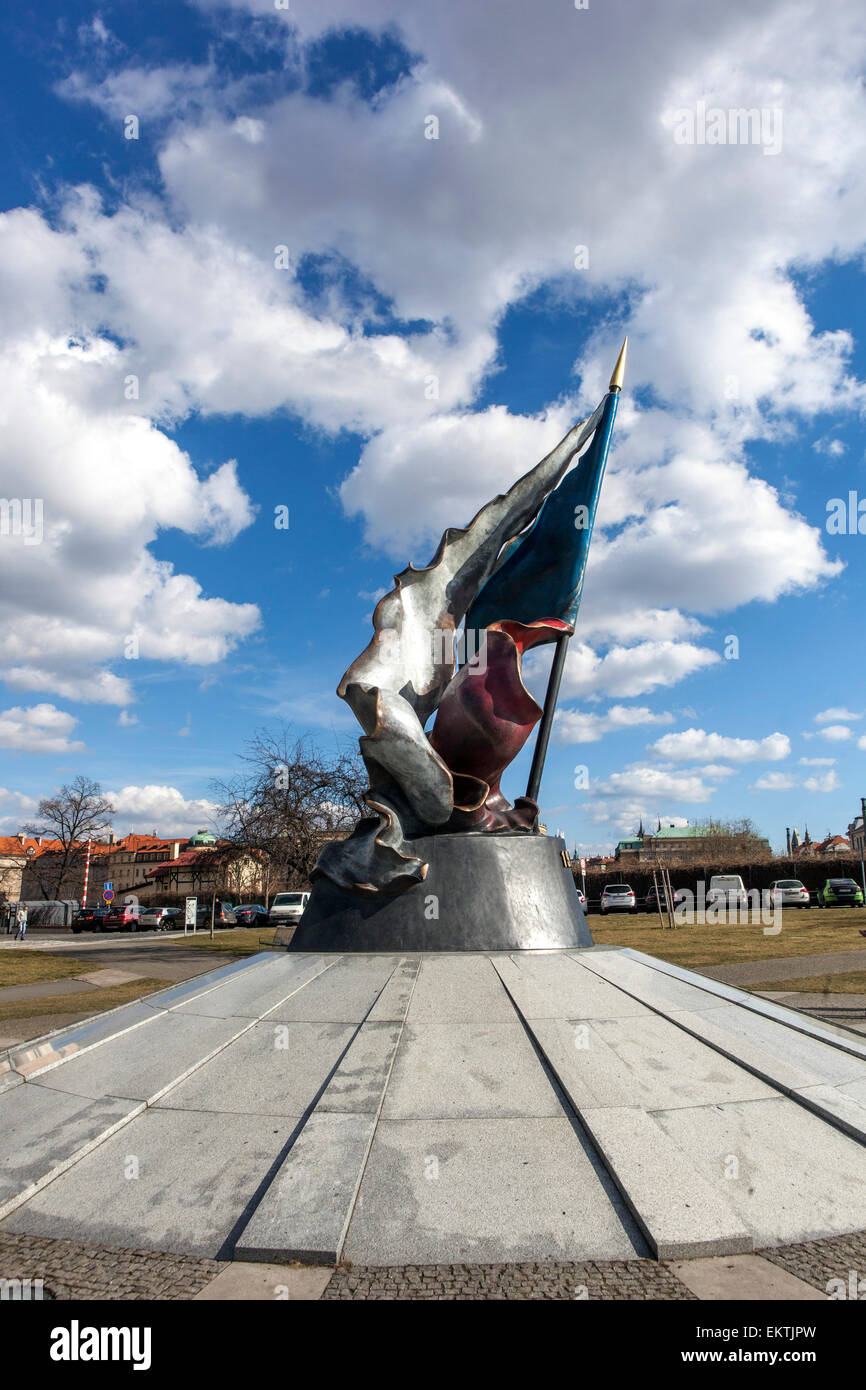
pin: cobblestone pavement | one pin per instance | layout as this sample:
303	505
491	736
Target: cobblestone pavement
818	1261
69	1269
614	1279
72	1270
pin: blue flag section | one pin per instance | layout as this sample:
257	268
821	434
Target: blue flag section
541	574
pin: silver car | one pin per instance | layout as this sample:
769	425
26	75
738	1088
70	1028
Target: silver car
617	897
789	892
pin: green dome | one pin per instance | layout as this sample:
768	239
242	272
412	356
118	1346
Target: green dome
200	838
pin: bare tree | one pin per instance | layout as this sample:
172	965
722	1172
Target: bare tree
77	813
729	840
288	799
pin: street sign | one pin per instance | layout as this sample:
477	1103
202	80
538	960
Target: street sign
108	895
583	866
189	917
108	886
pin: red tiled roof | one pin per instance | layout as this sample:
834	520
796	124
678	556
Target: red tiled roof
10	844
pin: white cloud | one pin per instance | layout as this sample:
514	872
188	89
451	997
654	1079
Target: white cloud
576	726
654	783
163	808
702	239
38	729
828	782
630	671
835	733
126	720
773	782
833	448
837	716
861	742
817	762
694	744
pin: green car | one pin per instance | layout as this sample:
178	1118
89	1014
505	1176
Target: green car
840	892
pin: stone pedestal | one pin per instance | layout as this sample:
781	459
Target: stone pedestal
482	893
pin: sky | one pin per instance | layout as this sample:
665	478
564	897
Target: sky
287	289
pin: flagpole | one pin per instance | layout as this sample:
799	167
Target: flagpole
545	728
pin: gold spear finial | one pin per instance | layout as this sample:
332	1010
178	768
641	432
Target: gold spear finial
619	370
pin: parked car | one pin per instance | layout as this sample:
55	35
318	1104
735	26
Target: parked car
618	897
287	908
89	919
251	915
789	892
653	896
728	889
581	897
121	917
840	892
160	918
224	915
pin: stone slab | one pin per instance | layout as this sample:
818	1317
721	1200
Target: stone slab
140	1064
823	1031
558	986
798	1178
655	987
359	1082
38	1055
680	1213
788	1059
486	1192
197	1176
741	1278
251	995
459	989
645	1062
393	1002
40	1130
306	1210
448	1070
240	1282
345	993
274	1069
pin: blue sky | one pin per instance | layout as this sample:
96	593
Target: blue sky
736	271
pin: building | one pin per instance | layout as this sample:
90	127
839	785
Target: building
16	852
671	843
833	847
856	837
202	870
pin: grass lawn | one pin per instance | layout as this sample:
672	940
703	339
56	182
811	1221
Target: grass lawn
854	982
802	934
35	967
94	1001
237	941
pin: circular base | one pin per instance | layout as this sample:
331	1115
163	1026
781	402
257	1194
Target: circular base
481	893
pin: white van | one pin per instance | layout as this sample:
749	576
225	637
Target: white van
287	908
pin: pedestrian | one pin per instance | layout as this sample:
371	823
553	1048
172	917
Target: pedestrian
21	919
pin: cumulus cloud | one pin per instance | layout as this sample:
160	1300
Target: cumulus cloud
655	783
38	729
827	782
432	229
691	745
773	782
630	671
577	726
837	715
835	733
161	807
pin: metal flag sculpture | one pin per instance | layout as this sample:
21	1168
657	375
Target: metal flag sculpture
516	575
